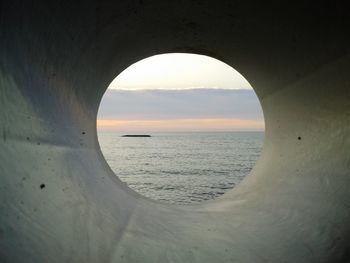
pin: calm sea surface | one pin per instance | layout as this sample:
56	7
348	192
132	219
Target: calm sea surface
182	168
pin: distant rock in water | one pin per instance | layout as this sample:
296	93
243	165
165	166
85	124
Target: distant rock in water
136	135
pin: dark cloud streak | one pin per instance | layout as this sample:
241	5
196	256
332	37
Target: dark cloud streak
175	104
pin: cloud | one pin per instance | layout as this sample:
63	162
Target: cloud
180	104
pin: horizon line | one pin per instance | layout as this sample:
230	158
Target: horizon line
203	124
180	131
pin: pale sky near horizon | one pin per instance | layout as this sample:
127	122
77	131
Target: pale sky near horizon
179	92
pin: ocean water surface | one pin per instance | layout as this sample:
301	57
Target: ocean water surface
182	168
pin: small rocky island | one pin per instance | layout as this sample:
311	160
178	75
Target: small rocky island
136	135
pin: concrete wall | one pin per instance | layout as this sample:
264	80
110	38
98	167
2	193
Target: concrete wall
59	200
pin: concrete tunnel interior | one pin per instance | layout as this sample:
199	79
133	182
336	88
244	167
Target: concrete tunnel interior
60	202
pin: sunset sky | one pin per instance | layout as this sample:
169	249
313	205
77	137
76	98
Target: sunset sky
179	92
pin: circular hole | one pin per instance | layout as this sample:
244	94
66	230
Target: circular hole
180	128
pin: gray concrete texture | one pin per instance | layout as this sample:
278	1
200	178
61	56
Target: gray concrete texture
59	200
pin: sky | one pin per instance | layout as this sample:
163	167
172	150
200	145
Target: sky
179	92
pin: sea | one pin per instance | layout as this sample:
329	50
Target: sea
182	167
